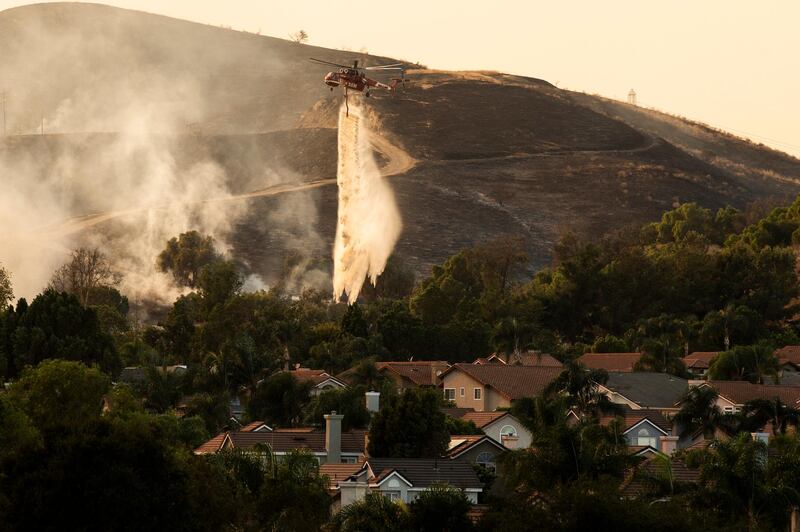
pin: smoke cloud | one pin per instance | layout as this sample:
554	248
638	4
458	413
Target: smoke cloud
369	222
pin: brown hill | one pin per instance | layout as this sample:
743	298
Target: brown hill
495	153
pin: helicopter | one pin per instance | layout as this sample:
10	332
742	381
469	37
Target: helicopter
354	78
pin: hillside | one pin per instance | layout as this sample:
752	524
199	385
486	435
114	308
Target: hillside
142	111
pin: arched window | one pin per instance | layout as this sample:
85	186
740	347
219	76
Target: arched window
507	430
486	459
644	438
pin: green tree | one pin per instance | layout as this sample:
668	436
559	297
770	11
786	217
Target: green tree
699	413
218	282
746	362
374	513
17	432
353	322
186	255
349	402
758	413
280	400
296	496
440	508
60	394
409	426
6	289
56	325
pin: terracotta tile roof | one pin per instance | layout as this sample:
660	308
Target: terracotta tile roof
789	354
315	376
631	417
424	472
639	478
339	472
456	412
421	372
250	427
623	362
213	445
699	359
535	359
740	392
481	419
282	441
513	382
462	443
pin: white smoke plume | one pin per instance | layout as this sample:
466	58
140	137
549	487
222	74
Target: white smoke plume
368	220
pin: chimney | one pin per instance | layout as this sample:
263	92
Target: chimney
373	400
510	442
333	437
669	444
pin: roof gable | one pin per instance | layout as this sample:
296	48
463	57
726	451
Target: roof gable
512	382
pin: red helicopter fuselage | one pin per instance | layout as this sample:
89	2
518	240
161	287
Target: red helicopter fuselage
352	79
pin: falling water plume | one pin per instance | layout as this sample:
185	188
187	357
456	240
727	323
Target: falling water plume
369	220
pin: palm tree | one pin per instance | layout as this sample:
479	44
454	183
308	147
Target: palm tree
580	385
758	412
367	374
700	412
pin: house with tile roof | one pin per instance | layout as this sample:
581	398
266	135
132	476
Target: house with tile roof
499	425
645	428
329	446
320	379
488	387
789	357
697	363
646	475
644	389
424	373
476	449
617	362
521	358
403	479
732	395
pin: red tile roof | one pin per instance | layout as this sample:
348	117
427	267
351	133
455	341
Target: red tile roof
622	362
213	445
789	354
481	419
631	417
699	359
421	373
512	382
353	441
740	392
535	359
339	472
315	376
250	427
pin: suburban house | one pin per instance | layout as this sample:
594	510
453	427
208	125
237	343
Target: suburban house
732	395
407	374
697	363
476	449
487	387
645	390
619	362
789	357
320	379
528	358
645	428
403	479
501	426
639	479
329	446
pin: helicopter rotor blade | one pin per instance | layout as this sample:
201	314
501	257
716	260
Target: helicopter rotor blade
320	61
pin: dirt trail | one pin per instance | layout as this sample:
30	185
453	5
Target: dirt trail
397	161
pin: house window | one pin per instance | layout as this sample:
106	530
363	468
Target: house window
461	392
449	394
393	496
507	431
644	438
476	394
348	459
486	459
728	409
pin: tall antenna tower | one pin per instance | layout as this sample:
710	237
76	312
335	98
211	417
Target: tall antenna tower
632	97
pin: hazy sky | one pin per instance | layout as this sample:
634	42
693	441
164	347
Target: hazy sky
733	64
